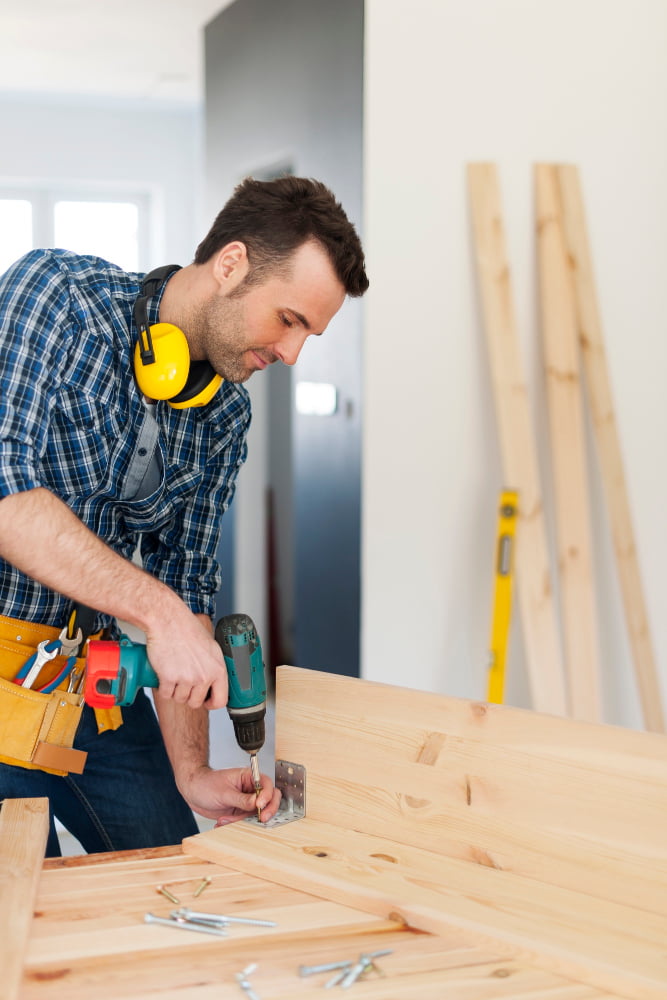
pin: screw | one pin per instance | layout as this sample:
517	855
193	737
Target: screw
202	885
338	978
365	962
242	980
170	896
219	918
184	925
357	970
312	970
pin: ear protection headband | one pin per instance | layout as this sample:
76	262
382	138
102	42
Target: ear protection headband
162	365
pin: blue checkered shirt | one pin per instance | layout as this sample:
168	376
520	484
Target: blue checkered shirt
73	421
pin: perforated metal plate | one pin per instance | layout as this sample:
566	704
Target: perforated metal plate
291	780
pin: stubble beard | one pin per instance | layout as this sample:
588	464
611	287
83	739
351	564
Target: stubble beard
221	324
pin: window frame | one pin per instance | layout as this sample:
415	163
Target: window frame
43	196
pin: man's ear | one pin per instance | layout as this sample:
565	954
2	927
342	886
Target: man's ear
230	265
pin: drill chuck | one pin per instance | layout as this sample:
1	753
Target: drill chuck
249	727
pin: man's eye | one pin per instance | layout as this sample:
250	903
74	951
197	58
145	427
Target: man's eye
286	321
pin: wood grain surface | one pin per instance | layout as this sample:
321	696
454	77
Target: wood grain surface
576	805
89	940
569	461
605	426
534	580
542	833
24	828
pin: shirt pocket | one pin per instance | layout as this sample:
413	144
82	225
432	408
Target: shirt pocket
78	457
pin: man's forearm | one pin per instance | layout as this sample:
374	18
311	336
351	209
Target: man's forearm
41	536
186	736
185	731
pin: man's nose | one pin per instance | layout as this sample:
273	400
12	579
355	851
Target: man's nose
289	347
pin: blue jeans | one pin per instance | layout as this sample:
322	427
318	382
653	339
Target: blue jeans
126	797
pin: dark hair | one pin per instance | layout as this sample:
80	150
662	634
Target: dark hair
274	218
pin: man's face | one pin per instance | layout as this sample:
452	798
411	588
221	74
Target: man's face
244	333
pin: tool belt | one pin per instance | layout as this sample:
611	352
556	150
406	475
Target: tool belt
39	719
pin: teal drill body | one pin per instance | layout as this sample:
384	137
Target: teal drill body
117	670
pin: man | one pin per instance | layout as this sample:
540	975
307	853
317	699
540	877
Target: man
92	466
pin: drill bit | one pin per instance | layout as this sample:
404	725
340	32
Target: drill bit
254	767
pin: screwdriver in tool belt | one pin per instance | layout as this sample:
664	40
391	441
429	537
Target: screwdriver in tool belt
115	671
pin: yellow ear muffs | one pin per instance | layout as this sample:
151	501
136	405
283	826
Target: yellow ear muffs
166	374
202	384
162	366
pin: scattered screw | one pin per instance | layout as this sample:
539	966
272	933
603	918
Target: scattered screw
356	971
170	896
312	970
347	973
242	980
185	925
338	977
219	918
202	885
363	965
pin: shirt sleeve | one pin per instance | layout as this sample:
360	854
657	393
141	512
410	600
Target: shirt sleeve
34	324
183	554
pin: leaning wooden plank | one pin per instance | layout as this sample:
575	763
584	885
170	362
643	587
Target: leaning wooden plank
579	616
603	944
518	448
24	828
609	448
574	804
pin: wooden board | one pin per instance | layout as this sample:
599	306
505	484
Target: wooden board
517	441
544	828
577	805
611	946
24	828
89	940
560	339
608	444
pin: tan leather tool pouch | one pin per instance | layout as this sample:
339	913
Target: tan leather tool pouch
37	730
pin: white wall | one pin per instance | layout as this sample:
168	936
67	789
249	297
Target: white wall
124	143
515	82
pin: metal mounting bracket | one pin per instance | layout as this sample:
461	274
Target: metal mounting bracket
291	780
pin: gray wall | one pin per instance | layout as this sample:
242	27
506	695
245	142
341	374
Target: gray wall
284	86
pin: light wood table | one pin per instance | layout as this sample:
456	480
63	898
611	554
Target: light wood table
89	940
500	854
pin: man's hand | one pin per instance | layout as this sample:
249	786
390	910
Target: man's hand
229	795
188	662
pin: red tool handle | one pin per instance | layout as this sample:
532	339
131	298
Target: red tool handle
102	667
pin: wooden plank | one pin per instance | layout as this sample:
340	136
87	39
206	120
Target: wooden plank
606	945
24	829
517	443
578	805
90	940
609	447
579	615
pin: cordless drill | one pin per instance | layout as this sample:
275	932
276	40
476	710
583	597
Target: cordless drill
115	671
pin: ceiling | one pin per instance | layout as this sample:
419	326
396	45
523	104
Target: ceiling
148	50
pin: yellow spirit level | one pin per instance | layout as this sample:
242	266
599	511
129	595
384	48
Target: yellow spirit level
502	594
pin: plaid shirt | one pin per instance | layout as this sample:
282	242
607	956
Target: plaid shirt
73	421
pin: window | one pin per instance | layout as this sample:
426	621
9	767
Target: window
15	230
113	225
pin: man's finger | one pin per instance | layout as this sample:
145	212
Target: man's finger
217	694
198	696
